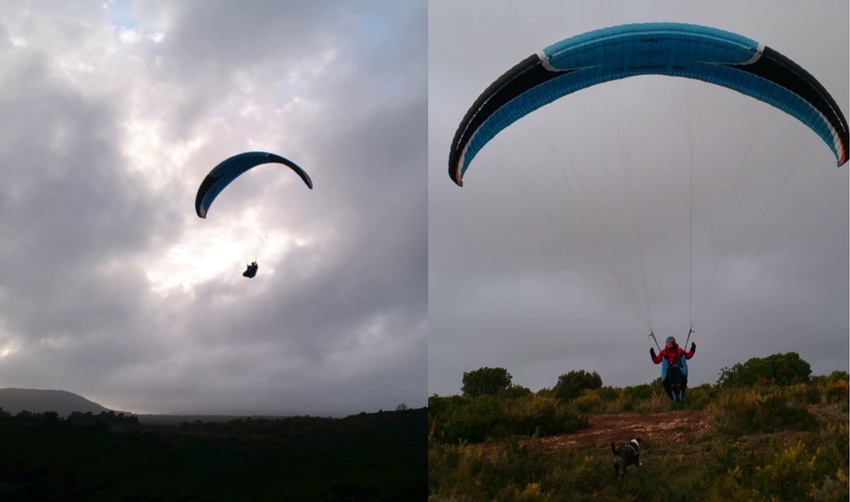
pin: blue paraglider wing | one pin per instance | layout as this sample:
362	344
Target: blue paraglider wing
232	168
679	50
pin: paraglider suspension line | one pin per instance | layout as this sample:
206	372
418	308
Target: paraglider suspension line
690	236
652	335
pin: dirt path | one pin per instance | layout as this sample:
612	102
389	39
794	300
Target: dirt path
669	427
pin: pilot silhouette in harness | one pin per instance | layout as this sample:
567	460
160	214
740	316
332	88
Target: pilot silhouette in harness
251	271
674	367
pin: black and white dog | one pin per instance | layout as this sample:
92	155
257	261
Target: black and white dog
625	455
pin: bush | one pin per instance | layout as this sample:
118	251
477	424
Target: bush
802	393
836	392
515	391
485	381
640	398
788	476
830	461
465	419
777	369
589	401
609	393
838	375
738	413
643	391
474	420
699	397
572	384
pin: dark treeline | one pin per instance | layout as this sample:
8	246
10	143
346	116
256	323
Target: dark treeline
109	456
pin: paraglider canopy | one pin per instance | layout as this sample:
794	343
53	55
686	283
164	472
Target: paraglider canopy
672	49
230	169
567	69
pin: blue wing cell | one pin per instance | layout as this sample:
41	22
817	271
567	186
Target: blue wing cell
673	49
232	168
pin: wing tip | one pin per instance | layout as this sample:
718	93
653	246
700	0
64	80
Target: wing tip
455	175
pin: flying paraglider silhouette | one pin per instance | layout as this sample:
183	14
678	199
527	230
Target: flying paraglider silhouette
230	169
251	270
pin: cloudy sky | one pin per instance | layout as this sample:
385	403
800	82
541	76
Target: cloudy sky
716	211
110	285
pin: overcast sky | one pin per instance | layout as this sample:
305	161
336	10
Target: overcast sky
111	287
386	282
646	170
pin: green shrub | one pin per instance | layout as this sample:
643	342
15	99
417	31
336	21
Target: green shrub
485	381
609	393
455	419
572	384
531	493
478	419
624	403
830	446
515	391
836	391
787	476
803	393
635	397
831	489
747	412
587	402
697	398
492	472
643	391
838	375
777	369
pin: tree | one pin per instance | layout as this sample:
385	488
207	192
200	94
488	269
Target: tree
572	384
485	381
515	391
835	376
777	369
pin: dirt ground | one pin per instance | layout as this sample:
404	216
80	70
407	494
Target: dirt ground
669	427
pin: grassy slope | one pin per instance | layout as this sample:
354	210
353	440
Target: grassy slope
745	450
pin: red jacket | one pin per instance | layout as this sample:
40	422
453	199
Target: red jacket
672	354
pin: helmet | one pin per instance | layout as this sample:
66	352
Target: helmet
670	339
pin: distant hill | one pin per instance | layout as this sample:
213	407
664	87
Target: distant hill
39	401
